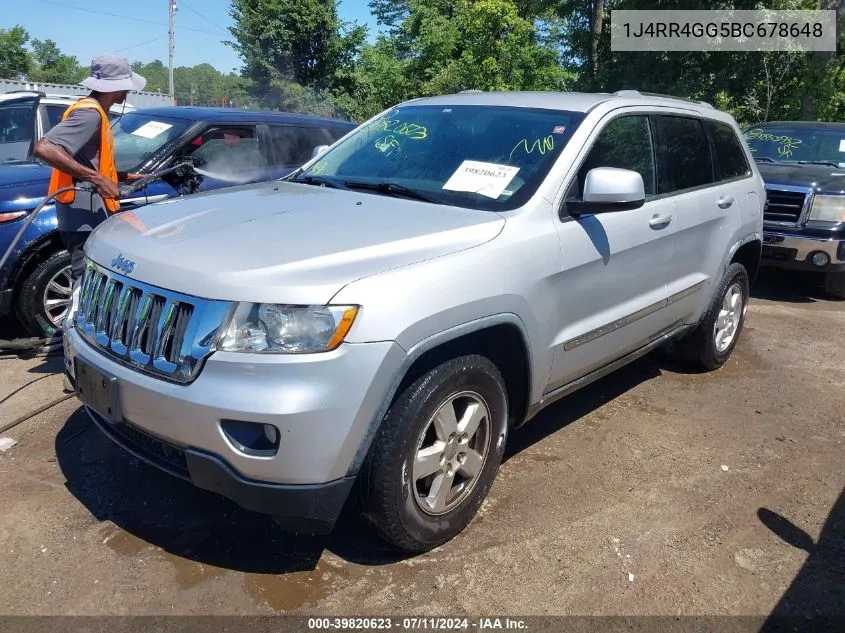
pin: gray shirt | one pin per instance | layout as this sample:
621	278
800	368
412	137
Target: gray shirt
79	135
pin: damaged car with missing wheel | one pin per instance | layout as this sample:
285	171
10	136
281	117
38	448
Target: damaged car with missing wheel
373	328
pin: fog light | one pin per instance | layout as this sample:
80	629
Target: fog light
820	259
252	438
271	433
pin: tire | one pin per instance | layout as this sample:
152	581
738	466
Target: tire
834	285
389	492
699	349
31	308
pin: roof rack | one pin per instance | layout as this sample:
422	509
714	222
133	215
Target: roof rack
637	93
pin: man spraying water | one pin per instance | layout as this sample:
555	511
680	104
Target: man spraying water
80	149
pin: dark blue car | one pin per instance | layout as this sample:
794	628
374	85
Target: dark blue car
231	146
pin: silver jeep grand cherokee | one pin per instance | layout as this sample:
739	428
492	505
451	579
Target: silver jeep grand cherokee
383	318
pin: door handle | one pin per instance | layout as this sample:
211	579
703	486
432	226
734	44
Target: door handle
725	201
658	220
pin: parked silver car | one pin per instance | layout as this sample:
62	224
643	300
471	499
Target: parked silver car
390	312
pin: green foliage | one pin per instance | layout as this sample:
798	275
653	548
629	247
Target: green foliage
14	59
50	65
295	41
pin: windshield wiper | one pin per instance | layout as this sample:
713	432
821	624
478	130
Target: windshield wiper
818	162
317	180
390	188
763	159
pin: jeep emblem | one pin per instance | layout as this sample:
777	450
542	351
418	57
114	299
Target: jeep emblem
124	265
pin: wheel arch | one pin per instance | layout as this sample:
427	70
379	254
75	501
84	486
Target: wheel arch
502	338
36	252
747	252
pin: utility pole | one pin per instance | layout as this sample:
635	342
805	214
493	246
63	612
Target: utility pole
172	4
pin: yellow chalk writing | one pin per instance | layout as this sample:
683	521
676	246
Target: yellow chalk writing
387	143
413	131
542	145
787	143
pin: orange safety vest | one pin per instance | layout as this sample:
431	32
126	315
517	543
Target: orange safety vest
60	180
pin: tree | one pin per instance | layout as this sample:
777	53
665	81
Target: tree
14	60
443	46
297	41
52	66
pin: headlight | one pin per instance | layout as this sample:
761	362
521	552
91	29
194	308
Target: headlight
282	329
828	209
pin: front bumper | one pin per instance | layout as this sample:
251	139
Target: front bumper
322	405
795	252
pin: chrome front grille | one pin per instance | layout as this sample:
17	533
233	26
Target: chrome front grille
153	330
786	205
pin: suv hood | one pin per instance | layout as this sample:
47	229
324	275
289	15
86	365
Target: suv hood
282	242
822	178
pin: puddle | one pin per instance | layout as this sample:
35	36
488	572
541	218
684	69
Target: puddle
124	543
188	573
290	592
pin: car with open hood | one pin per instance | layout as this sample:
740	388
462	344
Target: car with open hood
382	319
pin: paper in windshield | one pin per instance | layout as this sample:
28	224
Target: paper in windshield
486	179
152	129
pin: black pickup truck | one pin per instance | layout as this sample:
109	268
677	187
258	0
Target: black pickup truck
803	166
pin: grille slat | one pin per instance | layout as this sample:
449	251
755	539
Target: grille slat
784	206
150	329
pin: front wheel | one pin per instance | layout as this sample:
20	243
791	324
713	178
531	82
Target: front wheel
436	455
710	345
45	296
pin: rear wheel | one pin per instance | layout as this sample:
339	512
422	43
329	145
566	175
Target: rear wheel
710	345
436	455
45	296
834	285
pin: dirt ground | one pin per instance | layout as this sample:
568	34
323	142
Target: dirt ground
653	491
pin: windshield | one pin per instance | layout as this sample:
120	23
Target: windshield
137	136
482	157
17	127
786	143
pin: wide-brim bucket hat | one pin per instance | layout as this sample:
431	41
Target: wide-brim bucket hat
112	73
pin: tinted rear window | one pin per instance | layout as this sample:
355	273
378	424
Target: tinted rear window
685	154
730	156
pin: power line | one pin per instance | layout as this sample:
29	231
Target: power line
212	23
156	39
122	17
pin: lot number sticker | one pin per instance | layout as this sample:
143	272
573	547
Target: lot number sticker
487	179
152	129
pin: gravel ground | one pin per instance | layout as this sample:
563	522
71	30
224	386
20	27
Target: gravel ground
653	491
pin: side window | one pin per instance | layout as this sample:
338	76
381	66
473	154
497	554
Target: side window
228	149
54	116
730	156
293	145
685	154
624	143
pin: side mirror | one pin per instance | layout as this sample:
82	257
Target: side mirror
320	149
609	189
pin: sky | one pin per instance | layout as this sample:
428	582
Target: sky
138	29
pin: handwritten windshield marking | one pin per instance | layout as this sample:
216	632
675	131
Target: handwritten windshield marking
542	145
412	131
387	144
787	143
